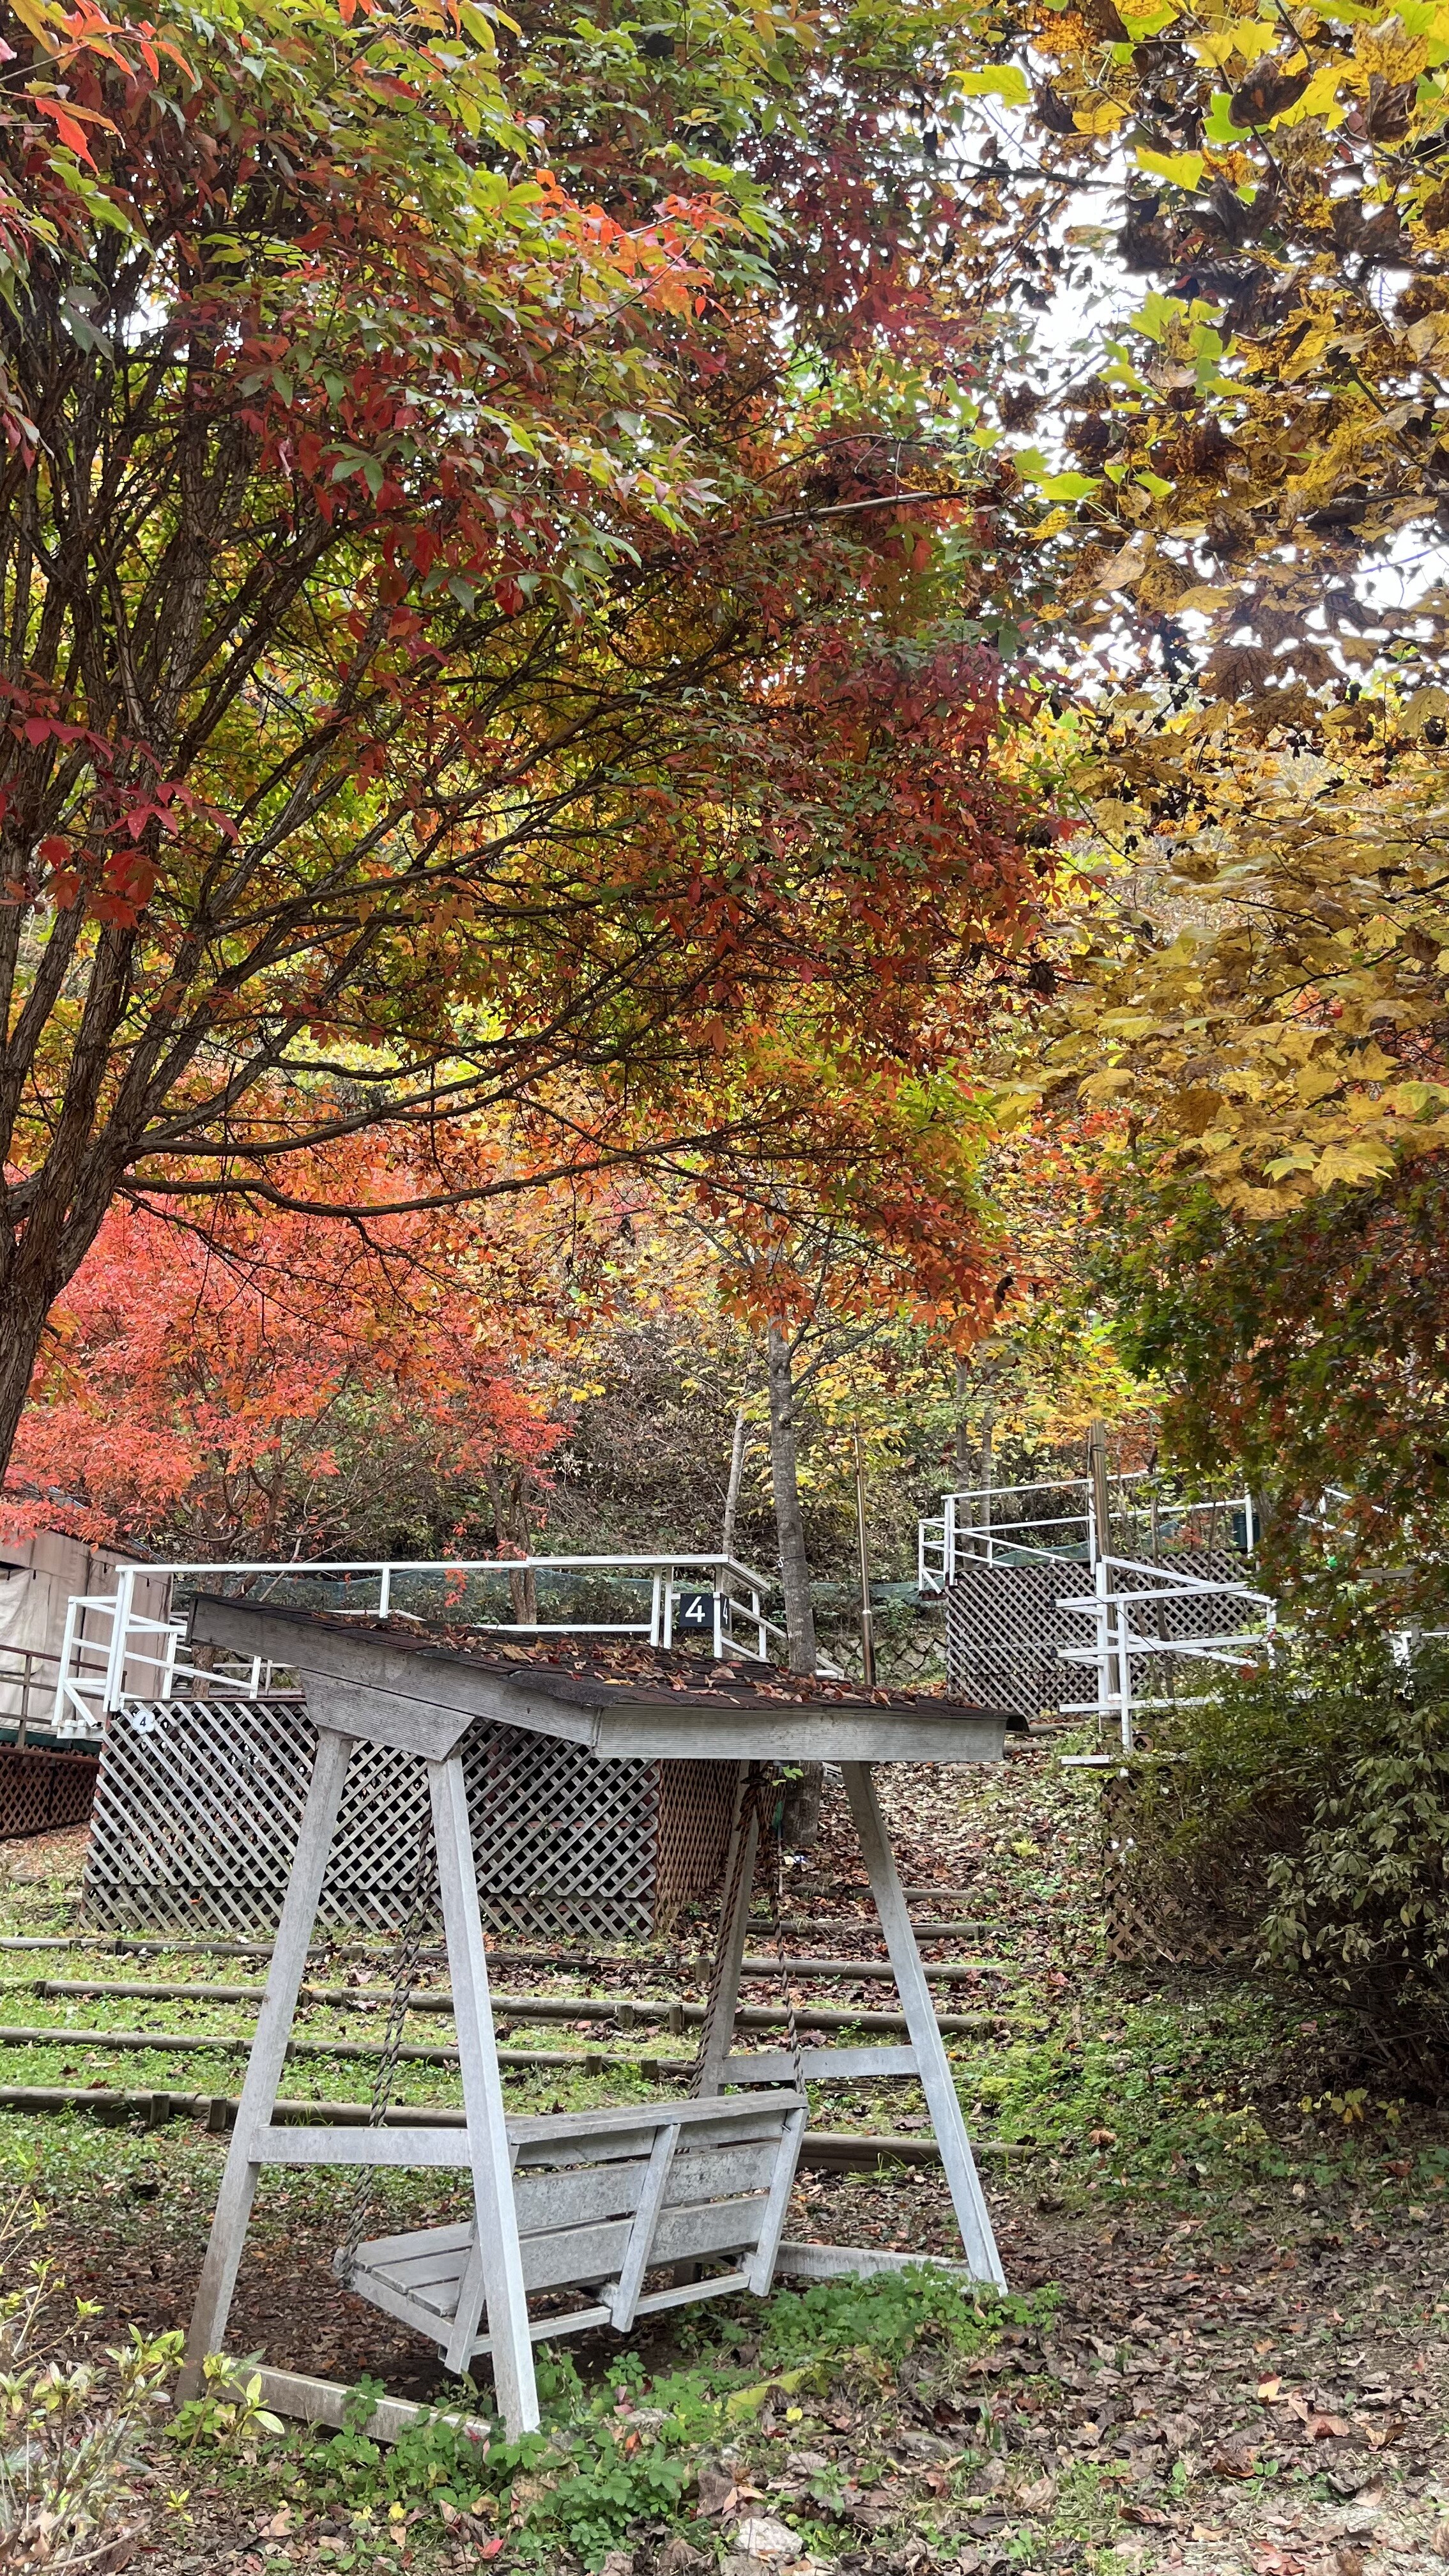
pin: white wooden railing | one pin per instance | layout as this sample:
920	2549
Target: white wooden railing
1219	1620
130	1657
991	1525
1242	1630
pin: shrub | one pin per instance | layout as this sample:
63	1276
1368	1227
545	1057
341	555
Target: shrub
69	2426
1308	1807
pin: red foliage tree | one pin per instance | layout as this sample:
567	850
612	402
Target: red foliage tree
481	616
263	1386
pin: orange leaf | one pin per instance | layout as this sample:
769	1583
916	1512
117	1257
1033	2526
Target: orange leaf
66	127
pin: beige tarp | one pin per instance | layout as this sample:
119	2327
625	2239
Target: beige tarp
37	1580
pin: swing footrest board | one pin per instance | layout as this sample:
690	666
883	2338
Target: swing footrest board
605	2197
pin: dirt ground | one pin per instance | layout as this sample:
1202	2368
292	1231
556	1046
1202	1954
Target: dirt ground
1249	2379
1273	2401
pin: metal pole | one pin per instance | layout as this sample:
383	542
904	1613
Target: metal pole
1100	1527
867	1626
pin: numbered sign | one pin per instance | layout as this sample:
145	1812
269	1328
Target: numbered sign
694	1615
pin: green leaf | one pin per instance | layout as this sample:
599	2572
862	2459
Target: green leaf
473	19
1184	169
1219	127
1004	81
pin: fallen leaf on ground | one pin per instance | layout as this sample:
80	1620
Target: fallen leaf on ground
1381	2435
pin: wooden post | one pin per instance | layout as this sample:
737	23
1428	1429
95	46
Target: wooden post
937	2081
268	2057
862	1541
717	2035
495	2268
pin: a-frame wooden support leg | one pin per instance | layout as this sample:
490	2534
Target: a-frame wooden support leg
268	2057
933	2065
717	2036
494	2273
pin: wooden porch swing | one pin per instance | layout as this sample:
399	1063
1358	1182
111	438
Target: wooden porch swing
590	2207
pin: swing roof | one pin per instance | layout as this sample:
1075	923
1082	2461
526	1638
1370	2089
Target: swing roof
421	1689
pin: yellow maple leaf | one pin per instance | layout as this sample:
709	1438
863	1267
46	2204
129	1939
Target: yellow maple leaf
1390	50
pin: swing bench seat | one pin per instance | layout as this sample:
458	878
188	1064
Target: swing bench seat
604	2198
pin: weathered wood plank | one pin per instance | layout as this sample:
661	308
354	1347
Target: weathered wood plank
623	2299
432	2148
268	2056
559	2259
797	2261
551	2130
936	2079
817	2065
776	2209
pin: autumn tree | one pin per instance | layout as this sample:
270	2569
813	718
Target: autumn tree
283	1384
1306	1353
487	586
1253	410
1238	456
899	1234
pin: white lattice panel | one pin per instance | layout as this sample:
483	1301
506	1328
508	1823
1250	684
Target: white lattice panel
1004	1626
198	1806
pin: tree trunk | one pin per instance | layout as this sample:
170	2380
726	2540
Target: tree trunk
800	1824
789	1520
732	1489
963	1436
24	1306
510	1524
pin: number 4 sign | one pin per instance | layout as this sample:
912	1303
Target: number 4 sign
694	1615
